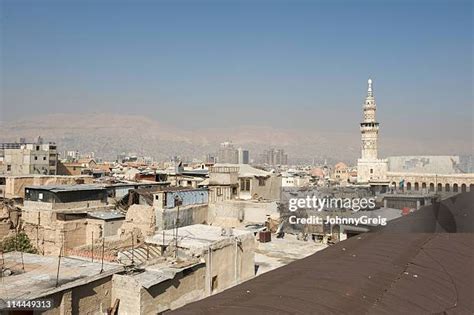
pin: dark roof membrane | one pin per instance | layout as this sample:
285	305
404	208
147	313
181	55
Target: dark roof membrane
418	264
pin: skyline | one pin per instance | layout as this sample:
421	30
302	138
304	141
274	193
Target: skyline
275	64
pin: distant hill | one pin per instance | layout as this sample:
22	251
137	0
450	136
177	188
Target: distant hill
110	134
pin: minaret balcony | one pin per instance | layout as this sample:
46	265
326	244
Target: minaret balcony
369	125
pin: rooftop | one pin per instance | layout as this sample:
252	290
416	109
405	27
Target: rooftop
197	236
418	264
39	277
65	188
106	215
246	170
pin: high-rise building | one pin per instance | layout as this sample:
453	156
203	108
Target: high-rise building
228	153
243	156
369	167
275	157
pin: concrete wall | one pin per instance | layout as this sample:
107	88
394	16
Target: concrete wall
269	191
90	298
185	288
375	170
191	197
166	218
50	234
240	212
221	193
139	218
102	228
230	262
64	206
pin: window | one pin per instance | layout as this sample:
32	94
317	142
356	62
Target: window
214	283
244	184
37	148
261	182
371	171
9	168
44	158
36	158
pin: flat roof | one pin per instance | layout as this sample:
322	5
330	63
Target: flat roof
48	176
168	189
64	188
195	236
39	277
106	215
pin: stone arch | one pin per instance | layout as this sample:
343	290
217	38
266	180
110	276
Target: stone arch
447	187
408	186
463	188
417	186
432	187
423	185
455	187
471	187
394	184
440	187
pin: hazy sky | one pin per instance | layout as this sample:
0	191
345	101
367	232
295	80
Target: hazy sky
298	64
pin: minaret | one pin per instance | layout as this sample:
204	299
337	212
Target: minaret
369	128
370	169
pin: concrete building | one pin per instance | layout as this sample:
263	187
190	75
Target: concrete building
295	178
29	158
160	287
228	153
341	173
223	183
156	209
370	169
83	287
209	260
228	253
275	157
243	156
14	186
55	217
258	184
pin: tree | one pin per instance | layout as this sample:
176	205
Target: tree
19	242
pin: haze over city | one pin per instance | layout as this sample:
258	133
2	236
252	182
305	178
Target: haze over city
290	67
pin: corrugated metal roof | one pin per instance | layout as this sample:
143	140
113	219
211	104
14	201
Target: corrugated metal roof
64	188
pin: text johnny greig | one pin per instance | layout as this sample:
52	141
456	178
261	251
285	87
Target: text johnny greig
318	204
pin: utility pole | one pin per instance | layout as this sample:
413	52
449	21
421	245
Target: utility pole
37	232
178	202
102	258
59	261
133	250
92	246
